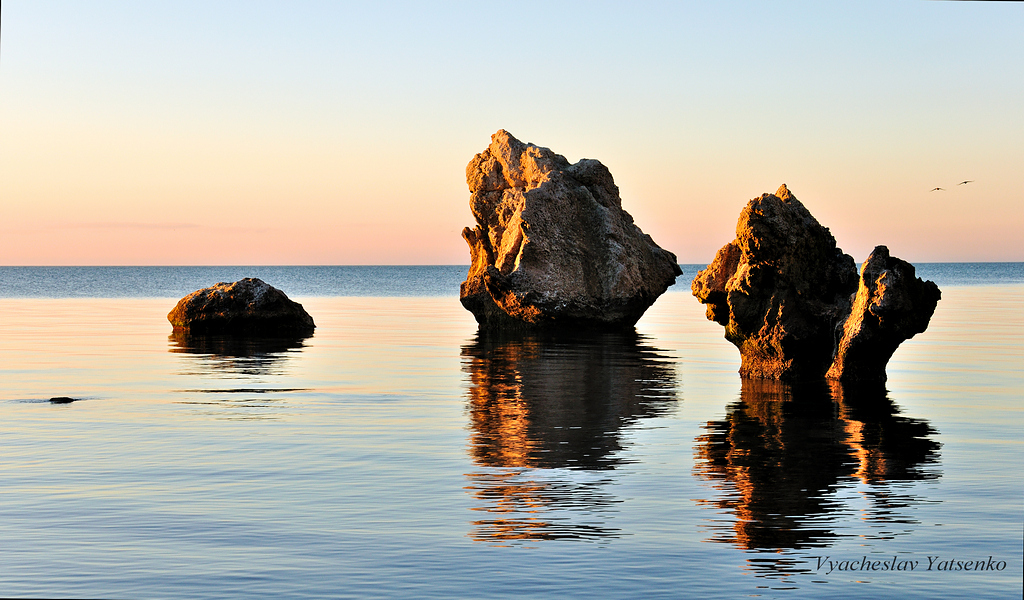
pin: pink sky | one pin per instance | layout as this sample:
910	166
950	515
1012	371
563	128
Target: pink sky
330	134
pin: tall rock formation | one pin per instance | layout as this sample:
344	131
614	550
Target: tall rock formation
892	305
785	292
552	246
781	289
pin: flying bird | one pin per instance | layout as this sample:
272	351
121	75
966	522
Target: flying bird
965	182
937	190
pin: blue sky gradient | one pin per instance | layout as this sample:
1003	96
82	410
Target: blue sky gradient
338	133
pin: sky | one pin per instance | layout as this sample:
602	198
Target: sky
337	133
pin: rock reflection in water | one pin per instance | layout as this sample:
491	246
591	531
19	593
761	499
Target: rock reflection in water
546	419
782	452
252	363
227	355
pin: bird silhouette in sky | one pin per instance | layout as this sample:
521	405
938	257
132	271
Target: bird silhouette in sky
937	190
966	182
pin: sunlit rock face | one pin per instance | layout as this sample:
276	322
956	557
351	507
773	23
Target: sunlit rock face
248	306
787	297
892	305
552	246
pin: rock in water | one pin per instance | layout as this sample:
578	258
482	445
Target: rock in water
247	306
552	246
786	296
892	305
782	289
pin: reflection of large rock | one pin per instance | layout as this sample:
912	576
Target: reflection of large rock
887	446
780	455
538	401
553	246
784	291
892	305
547	415
247	306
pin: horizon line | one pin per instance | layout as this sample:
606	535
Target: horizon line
176	266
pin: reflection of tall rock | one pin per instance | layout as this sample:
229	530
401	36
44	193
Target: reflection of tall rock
553	246
524	505
783	291
543	402
781	452
537	403
886	446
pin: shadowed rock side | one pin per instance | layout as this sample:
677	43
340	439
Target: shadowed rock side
781	453
248	306
781	289
892	305
784	293
552	246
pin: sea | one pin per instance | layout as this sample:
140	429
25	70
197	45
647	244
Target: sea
400	453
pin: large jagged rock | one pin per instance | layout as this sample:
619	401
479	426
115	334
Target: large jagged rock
248	306
892	305
785	292
552	246
782	289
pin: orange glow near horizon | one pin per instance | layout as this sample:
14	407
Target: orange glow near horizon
158	136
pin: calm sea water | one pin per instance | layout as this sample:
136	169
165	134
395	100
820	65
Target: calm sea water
396	453
175	282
